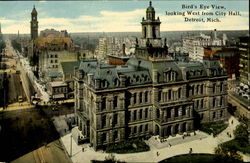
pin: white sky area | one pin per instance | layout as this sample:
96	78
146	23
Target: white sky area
109	18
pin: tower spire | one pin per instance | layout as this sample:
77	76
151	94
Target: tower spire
150	3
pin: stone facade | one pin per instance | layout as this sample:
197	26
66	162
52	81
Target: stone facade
153	94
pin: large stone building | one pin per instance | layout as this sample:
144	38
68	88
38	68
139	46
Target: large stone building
153	94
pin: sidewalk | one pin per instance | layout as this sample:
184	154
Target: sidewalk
200	143
17	106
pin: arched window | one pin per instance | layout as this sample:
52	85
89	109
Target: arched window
115	101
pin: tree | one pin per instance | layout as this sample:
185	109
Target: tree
225	154
241	133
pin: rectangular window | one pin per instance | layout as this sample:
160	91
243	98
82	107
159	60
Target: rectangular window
103	106
115	119
115	102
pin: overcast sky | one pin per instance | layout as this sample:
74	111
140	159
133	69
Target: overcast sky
114	16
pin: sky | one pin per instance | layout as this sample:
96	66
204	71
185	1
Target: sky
117	16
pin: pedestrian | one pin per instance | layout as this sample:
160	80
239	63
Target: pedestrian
169	145
183	137
157	154
230	135
232	121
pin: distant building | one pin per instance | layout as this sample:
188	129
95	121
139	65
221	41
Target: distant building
239	96
229	58
194	45
244	44
57	90
153	94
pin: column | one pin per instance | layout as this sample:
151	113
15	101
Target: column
172	113
132	115
143	97
132	100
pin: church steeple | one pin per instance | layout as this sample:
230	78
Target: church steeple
34	24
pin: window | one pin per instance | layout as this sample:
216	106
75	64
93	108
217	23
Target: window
221	87
140	128
104	137
135	129
202	103
202	87
146	113
183	111
159	95
140	114
169	113
214	114
115	135
115	119
214	88
55	61
221	101
115	102
146	127
221	113
103	103
103	121
140	97
169	94
214	102
146	96
179	93
51	61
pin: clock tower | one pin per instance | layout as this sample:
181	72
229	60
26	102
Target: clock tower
34	24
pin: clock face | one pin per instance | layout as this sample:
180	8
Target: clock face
34	18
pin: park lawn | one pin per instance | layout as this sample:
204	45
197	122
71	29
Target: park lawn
193	158
213	128
128	146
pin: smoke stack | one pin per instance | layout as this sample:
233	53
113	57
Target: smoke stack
123	50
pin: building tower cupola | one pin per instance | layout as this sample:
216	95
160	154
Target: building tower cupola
34	24
150	25
150	13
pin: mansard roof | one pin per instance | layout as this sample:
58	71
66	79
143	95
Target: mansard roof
140	72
